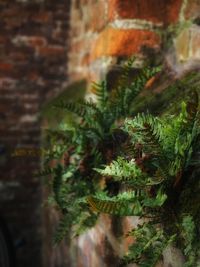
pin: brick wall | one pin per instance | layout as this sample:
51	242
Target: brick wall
36	63
105	31
33	68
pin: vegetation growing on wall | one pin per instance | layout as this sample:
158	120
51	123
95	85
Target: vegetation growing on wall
149	169
87	143
154	171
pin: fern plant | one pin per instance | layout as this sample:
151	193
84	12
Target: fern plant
152	171
86	144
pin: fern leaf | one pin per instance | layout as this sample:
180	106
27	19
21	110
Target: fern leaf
101	93
115	207
124	77
148	131
138	84
149	244
192	106
121	169
75	108
45	172
57	184
127	172
62	229
124	95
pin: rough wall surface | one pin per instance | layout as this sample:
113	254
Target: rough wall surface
105	31
102	34
33	66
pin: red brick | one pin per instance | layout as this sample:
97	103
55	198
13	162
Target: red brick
6	66
18	56
51	51
42	17
14	12
33	76
152	10
3	39
115	42
36	41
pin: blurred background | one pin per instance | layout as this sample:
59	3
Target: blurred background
51	49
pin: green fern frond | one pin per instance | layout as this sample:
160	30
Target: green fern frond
149	245
45	172
189	235
138	84
193	107
120	207
127	203
148	131
101	93
121	169
125	75
57	184
128	172
75	108
62	229
97	155
123	95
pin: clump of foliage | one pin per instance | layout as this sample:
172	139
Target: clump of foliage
92	140
153	171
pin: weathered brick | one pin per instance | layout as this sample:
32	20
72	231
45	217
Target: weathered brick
117	42
85	59
187	44
192	10
157	11
51	51
14	12
182	44
36	41
6	67
77	46
95	16
41	17
195	44
3	40
26	78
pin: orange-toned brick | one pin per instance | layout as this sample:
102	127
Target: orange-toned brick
118	42
6	66
85	60
51	51
42	17
152	10
36	41
76	47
